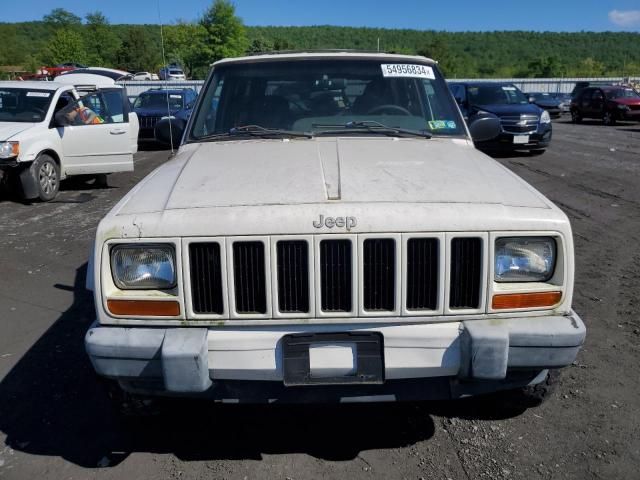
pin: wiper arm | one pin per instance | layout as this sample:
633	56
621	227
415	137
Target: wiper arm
255	131
369	126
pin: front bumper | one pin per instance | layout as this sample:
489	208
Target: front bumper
466	357
539	139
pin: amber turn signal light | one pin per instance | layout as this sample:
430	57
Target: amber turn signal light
525	300
144	308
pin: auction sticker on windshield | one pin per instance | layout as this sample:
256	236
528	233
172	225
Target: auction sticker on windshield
407	70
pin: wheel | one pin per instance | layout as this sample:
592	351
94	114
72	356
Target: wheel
575	116
609	118
101	180
532	395
127	404
47	174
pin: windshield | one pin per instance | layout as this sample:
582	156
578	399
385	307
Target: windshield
24	105
175	72
622	93
324	95
496	95
158	100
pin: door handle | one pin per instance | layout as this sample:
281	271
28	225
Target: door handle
117	131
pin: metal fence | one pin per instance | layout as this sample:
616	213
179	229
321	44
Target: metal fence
135	88
555	85
551	85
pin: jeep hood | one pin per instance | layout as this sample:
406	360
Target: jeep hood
11	129
329	171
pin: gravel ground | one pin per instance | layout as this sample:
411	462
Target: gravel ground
55	422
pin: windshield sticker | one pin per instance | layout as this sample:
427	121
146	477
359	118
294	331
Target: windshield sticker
38	94
442	124
407	70
509	89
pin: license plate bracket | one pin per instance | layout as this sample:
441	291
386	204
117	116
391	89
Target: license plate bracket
368	358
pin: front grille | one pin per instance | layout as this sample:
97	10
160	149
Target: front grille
520	124
422	273
249	277
324	275
206	278
335	275
379	273
293	276
466	271
148	122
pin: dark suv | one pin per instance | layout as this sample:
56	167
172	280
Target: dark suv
525	126
608	103
154	104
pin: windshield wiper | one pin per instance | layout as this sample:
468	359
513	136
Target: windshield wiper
255	131
369	126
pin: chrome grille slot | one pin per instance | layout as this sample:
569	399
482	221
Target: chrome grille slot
336	275
422	273
379	268
249	277
466	271
293	276
520	124
206	278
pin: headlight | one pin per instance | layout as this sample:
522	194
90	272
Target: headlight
545	118
143	267
525	259
9	149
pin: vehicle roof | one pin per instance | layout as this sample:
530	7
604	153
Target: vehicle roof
324	55
166	90
32	84
481	83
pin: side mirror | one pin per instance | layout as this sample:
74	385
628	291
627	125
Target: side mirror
170	130
532	100
485	128
60	119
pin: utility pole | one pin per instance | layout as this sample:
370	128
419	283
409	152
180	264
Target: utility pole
378	44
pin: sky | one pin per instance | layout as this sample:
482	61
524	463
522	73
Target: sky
456	15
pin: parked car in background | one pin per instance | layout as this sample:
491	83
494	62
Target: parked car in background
141	76
52	130
608	103
172	72
328	233
156	103
525	126
580	86
548	102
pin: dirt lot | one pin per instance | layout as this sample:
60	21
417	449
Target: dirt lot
55	422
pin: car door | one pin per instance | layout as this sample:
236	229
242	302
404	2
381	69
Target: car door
597	104
584	102
94	133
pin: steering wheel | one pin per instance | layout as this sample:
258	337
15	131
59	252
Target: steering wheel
395	108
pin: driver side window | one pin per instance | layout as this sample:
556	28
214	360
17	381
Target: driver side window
89	110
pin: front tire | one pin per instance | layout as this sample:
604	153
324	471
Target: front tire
575	116
47	173
609	118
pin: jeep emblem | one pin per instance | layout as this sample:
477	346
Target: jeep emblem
340	222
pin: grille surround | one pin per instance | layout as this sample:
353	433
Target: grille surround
315	313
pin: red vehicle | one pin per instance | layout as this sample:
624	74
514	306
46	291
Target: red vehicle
46	73
608	103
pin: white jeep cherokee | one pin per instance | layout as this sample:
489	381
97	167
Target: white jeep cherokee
327	232
53	130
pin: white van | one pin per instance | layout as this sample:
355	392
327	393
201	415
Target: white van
52	130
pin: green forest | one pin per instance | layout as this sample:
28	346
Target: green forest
61	36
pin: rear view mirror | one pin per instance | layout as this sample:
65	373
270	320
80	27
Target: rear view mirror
485	128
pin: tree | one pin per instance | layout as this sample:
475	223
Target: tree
138	51
102	43
59	17
67	45
226	36
186	44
